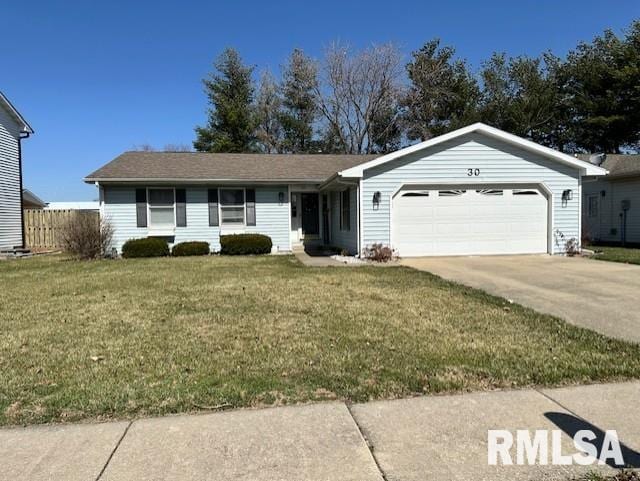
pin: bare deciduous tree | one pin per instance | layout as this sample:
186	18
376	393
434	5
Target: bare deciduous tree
177	148
358	91
268	109
144	148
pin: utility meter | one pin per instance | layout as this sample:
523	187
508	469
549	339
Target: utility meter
626	204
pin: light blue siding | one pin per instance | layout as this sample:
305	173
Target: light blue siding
271	217
10	194
607	224
345	239
198	228
119	208
497	161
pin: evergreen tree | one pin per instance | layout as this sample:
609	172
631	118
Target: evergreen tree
230	127
521	96
603	92
442	95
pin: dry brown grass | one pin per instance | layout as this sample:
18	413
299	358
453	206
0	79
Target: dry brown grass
111	339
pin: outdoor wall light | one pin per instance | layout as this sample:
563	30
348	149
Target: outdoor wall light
376	199
567	195
281	197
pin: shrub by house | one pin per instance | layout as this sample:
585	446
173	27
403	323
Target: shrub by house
147	247
193	248
245	244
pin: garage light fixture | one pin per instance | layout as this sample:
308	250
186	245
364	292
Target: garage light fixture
567	195
281	197
376	199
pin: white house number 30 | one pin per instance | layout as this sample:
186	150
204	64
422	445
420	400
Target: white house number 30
473	172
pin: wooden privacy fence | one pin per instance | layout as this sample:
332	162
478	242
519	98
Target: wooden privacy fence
42	228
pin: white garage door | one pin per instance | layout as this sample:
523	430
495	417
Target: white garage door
469	221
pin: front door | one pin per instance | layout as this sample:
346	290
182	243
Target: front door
310	221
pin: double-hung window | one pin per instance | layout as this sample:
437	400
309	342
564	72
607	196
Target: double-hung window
162	209
345	210
232	207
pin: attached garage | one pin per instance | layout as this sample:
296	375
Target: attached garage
469	220
474	191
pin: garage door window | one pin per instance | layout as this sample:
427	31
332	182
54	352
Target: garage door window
416	194
451	193
489	192
524	192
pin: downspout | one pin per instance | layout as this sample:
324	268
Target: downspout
22	135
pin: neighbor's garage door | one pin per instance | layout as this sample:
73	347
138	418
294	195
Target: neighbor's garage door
469	221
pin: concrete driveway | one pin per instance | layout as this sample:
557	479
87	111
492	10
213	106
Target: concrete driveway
598	295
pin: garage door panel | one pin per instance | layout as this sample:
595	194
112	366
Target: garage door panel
472	221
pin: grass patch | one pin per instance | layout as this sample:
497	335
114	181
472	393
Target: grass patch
117	339
617	254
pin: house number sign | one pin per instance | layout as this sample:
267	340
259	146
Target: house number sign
473	172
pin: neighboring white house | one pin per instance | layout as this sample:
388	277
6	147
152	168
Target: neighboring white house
13	128
477	190
611	212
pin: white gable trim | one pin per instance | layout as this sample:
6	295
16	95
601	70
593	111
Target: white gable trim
585	168
24	126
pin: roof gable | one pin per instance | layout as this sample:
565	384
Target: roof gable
585	167
8	106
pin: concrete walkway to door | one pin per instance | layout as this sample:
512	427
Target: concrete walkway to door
598	295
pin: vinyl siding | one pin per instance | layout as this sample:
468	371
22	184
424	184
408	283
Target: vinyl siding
10	194
271	217
345	239
448	163
610	208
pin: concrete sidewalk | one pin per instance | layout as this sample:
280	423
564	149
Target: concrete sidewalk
424	438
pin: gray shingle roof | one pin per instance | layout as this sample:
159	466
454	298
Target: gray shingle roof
619	165
206	166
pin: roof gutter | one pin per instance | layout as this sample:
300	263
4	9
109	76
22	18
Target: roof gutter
103	180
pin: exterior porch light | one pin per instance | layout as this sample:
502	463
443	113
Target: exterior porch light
567	195
281	197
376	199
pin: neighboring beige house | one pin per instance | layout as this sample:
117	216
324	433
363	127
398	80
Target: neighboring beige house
13	128
31	200
611	204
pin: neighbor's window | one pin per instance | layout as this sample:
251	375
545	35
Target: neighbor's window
232	206
345	210
162	208
592	206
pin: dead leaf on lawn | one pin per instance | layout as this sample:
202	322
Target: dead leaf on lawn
97	358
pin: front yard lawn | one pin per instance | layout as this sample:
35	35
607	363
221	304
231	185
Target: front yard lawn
116	339
617	254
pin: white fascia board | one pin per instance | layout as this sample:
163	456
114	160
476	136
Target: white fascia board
26	128
585	168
